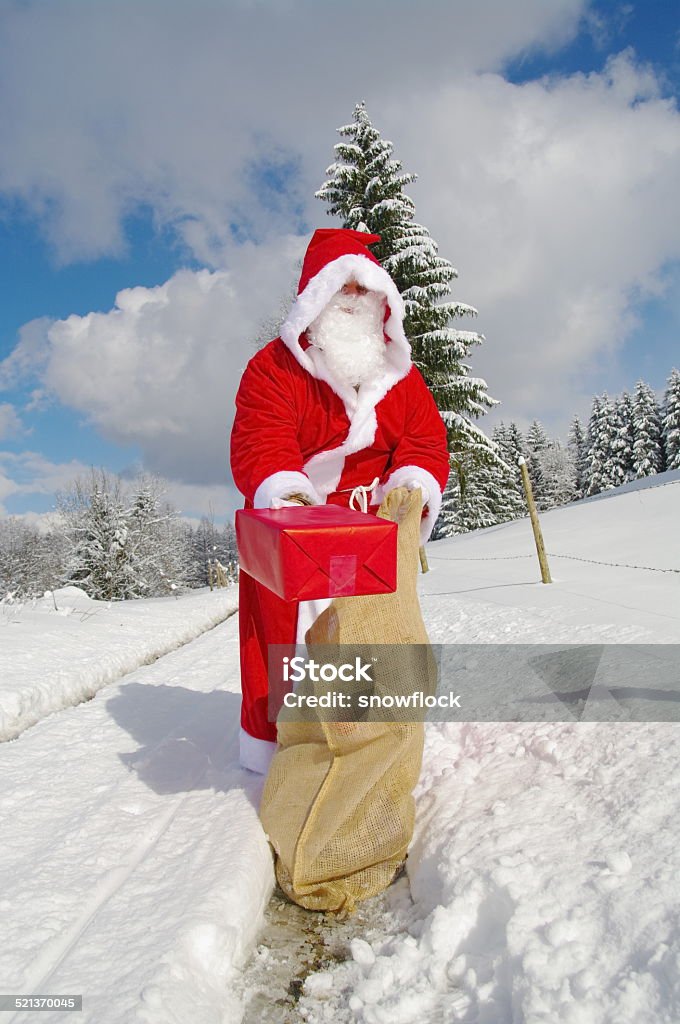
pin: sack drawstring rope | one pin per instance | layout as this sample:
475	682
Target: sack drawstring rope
360	494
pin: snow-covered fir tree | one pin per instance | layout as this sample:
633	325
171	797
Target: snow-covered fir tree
512	445
123	545
483	494
671	420
647	432
599	439
557	472
446	523
469	502
31	560
625	437
614	426
579	453
96	521
478	505
158	547
537	441
209	544
536	438
512	442
365	188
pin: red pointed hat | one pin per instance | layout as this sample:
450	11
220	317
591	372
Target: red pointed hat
335	256
328	244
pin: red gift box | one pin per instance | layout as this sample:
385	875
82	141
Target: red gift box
318	551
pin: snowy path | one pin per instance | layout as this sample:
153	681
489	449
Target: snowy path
128	817
298	949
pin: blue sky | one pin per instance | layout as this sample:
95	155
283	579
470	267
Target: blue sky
651	28
117	182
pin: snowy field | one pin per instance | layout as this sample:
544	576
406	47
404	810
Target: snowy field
544	876
60	649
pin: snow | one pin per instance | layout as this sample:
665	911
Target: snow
549	889
135	870
59	650
545	867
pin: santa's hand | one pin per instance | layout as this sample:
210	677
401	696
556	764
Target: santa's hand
287	503
414	485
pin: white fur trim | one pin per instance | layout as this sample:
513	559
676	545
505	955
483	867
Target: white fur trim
403	476
325	468
283	483
321	289
255	754
308	613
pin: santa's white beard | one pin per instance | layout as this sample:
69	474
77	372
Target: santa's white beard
349	333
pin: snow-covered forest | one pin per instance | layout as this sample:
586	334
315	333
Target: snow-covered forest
626	438
116	541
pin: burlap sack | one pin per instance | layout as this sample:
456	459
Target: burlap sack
337	803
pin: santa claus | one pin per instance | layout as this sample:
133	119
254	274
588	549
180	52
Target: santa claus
332	411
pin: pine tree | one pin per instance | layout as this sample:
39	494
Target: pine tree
483	495
537	441
365	188
558	475
159	558
512	445
619	433
579	453
99	535
626	420
467	504
671	420
122	546
445	525
647	439
599	439
209	544
478	506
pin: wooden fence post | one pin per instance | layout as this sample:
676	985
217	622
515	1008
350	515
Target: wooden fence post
536	526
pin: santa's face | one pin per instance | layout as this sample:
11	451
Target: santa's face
349	332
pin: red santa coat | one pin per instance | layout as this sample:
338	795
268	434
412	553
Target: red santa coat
297	429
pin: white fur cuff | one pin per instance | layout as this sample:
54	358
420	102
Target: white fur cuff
401	478
280	485
255	754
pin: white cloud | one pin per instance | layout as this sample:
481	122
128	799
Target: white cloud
177	106
160	370
8	486
26	474
556	199
558	202
10	422
30	473
28	356
43	522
